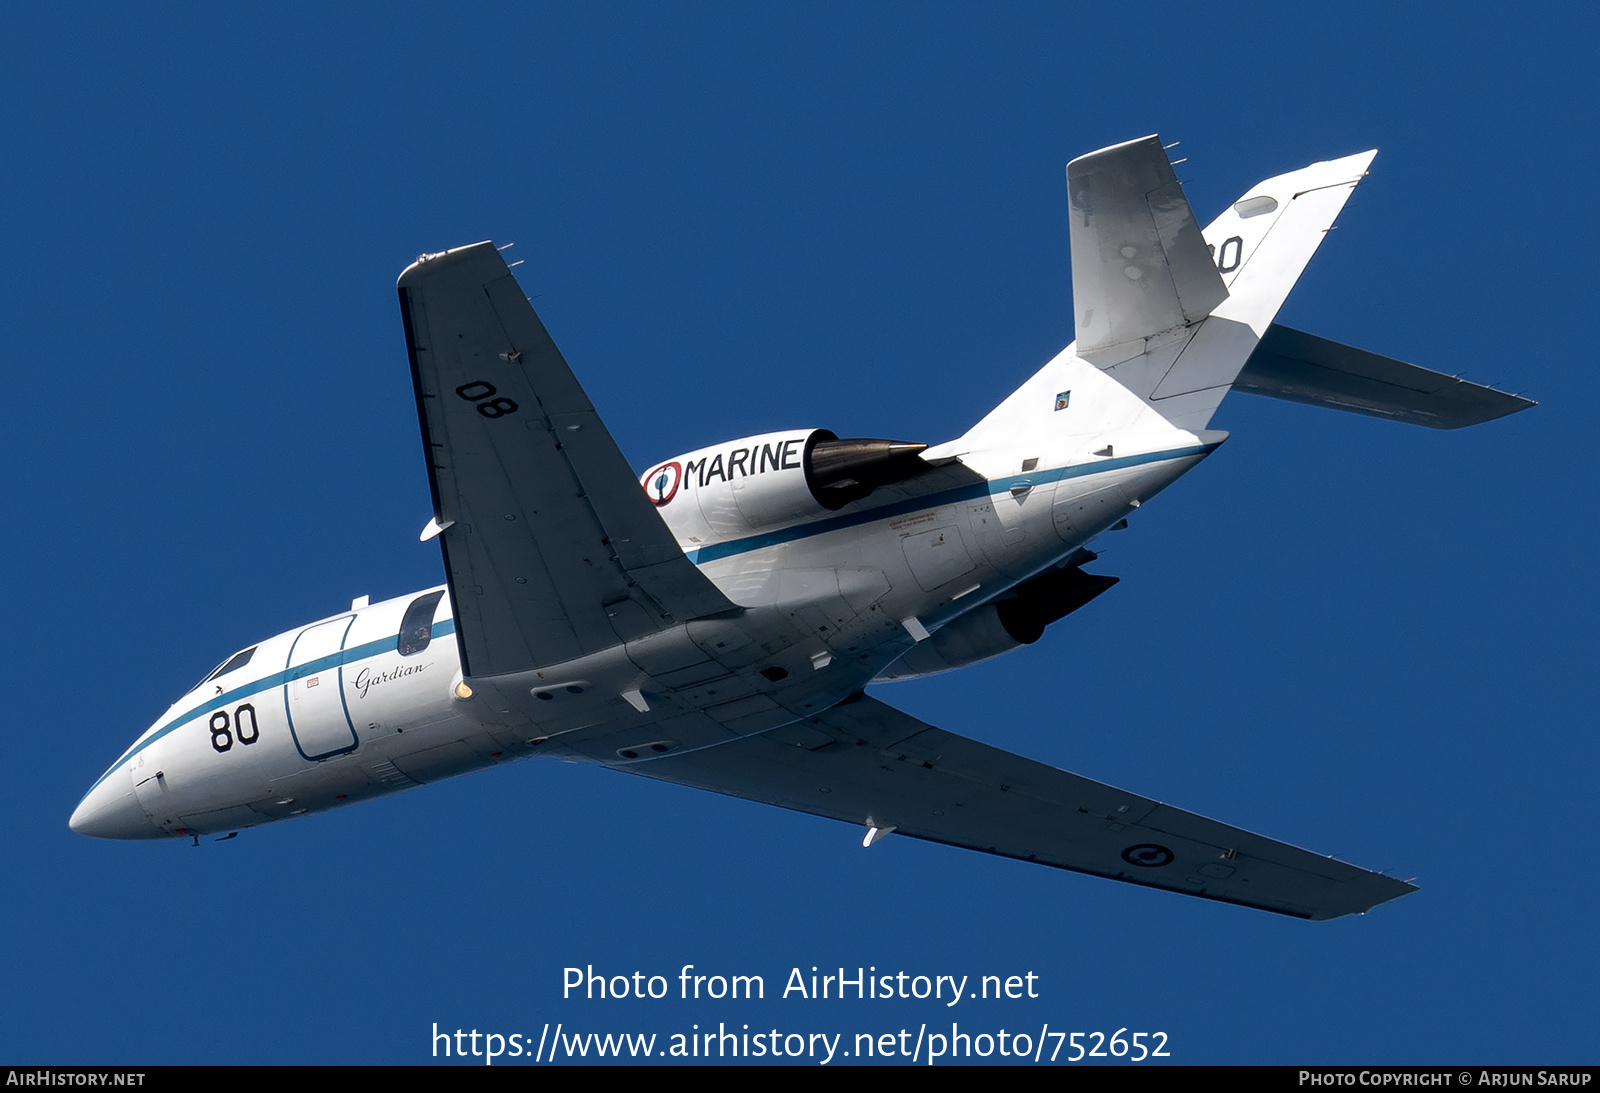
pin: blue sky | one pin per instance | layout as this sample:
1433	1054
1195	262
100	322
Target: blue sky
1370	640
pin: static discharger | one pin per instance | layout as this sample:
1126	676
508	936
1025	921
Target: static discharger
876	833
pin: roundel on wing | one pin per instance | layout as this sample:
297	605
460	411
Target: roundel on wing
1148	855
661	484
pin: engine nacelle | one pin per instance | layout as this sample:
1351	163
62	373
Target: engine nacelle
999	627
762	483
977	635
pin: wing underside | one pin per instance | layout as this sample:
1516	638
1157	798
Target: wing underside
551	549
867	763
1139	261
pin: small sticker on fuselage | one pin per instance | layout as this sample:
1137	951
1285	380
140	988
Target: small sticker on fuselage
1062	399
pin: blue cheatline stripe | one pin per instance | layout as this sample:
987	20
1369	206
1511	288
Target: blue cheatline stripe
698	557
266	683
934	500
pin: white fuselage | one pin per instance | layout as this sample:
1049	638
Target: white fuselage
358	705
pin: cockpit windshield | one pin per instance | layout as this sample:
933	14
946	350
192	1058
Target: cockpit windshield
232	664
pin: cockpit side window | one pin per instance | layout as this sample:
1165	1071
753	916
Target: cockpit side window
416	629
232	664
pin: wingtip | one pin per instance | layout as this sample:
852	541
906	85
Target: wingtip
1099	152
449	257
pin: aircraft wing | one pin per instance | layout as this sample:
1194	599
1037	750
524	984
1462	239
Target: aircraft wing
1139	259
551	548
869	764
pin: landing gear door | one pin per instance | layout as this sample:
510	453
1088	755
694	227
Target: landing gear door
314	695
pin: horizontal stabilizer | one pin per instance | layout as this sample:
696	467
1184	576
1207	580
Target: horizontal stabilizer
1139	262
1298	367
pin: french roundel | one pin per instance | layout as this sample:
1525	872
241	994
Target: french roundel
1148	855
661	484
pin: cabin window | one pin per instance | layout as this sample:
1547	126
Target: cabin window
416	629
232	664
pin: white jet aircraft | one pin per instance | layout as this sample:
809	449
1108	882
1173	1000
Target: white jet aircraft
718	628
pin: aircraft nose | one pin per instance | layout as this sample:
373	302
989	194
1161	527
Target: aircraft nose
111	811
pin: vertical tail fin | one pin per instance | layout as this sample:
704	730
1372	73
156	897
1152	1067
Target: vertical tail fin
1263	241
1166	316
1261	245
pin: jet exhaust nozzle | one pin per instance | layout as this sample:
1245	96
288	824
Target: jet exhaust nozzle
841	471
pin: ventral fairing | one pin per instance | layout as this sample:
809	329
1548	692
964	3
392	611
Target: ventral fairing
718	621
